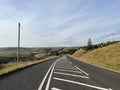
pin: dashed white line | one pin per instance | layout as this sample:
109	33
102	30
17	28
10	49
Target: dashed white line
68	70
81	70
55	88
71	75
79	83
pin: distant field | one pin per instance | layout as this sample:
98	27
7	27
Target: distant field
108	56
10	54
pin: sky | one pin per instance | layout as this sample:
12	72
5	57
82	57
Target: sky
59	23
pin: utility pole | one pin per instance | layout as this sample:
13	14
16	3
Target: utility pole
18	48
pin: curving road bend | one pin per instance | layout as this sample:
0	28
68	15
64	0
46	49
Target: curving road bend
63	73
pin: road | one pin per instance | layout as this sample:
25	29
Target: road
63	73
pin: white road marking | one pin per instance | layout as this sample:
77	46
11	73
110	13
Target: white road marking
70	62
83	84
64	67
71	75
41	85
68	70
81	70
62	63
55	88
49	79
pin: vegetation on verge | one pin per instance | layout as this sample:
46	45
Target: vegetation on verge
9	67
91	46
108	56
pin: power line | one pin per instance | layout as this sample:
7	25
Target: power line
8	16
18	48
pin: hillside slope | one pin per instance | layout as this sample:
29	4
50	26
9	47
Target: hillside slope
108	56
79	53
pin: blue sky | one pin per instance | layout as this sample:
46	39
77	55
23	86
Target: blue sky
56	23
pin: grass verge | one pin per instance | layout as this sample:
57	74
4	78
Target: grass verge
108	57
112	67
10	67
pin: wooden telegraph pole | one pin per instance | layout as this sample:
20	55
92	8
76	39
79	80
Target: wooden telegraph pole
18	48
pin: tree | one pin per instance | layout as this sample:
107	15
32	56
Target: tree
89	44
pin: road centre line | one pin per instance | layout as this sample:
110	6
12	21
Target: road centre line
83	84
43	81
71	75
50	76
81	70
55	88
67	70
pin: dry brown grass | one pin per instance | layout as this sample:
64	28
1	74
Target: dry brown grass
107	57
6	68
79	53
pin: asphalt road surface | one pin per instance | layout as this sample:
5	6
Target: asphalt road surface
63	73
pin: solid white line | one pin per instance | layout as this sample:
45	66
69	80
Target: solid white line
83	84
49	79
67	70
71	75
41	85
81	70
55	88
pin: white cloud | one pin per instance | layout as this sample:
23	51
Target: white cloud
58	23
